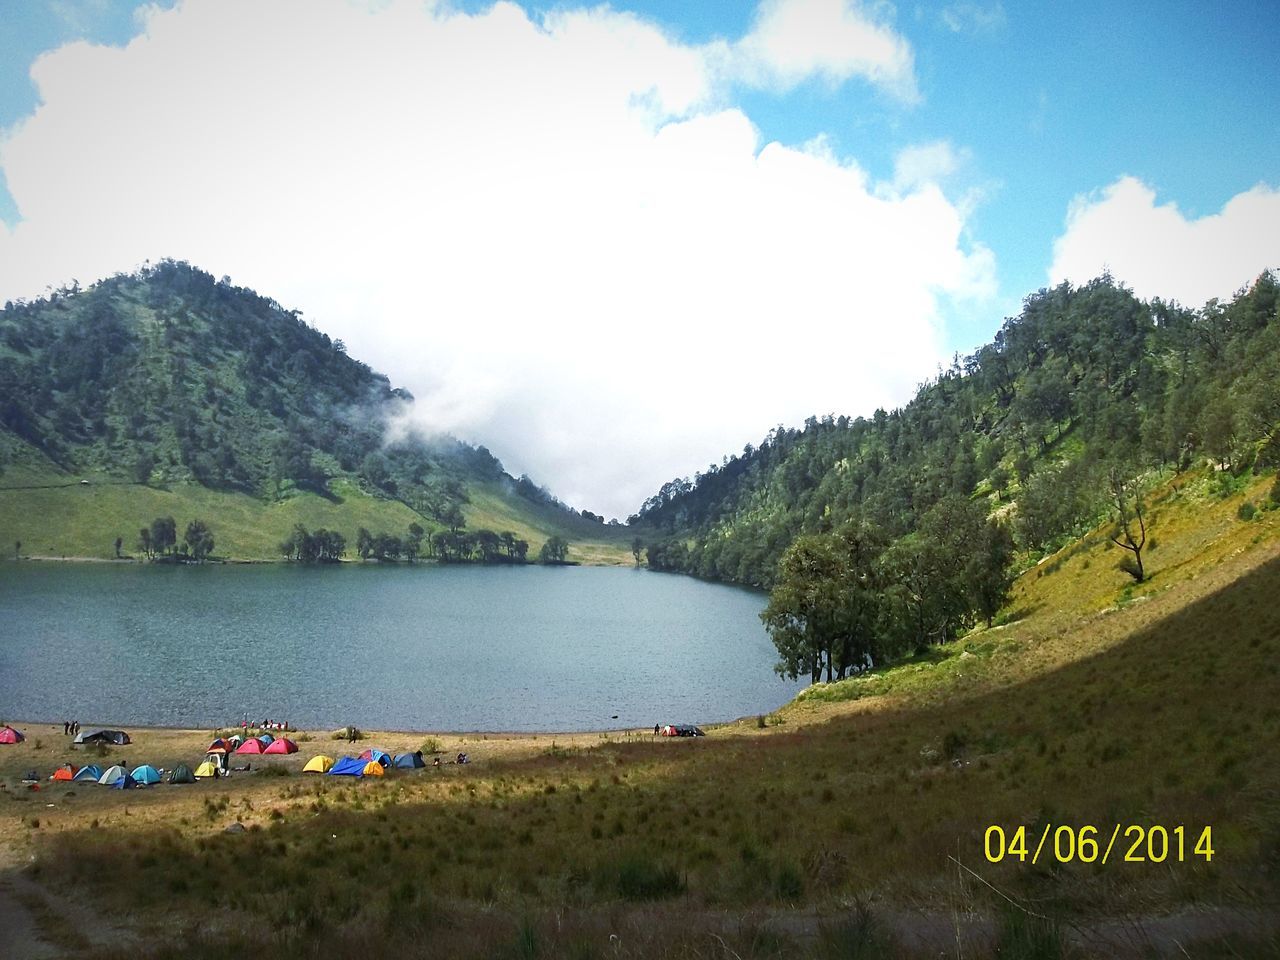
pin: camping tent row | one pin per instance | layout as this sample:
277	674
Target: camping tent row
371	763
10	735
263	744
118	776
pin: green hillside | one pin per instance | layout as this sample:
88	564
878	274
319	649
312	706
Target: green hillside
881	537
173	394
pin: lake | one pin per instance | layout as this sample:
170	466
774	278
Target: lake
425	647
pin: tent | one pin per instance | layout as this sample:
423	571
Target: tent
407	761
681	730
206	769
374	769
319	764
112	774
125	782
219	746
64	773
118	737
283	745
89	774
381	756
250	746
348	767
266	739
10	735
234	740
146	774
181	774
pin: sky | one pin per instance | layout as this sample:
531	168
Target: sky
617	243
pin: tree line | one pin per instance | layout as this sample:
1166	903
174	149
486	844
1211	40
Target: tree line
159	541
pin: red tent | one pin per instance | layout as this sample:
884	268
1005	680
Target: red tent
10	735
250	746
283	745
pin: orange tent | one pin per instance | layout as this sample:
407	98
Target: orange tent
64	773
374	769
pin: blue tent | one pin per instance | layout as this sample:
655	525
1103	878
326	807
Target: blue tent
90	773
266	739
146	774
407	761
125	782
348	767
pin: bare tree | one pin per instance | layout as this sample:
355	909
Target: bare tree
1126	498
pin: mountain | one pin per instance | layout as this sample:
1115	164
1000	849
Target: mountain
171	391
1088	387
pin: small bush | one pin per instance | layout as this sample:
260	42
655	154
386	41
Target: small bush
1025	937
432	745
788	884
636	877
760	721
1246	511
274	771
347	733
859	937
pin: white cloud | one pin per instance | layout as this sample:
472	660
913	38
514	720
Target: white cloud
793	40
973	17
557	234
925	163
1158	252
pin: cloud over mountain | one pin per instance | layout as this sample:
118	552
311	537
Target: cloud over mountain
562	234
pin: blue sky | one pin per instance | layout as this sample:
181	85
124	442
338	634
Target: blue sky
935	163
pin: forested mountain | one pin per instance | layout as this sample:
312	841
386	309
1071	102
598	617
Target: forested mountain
1047	430
170	377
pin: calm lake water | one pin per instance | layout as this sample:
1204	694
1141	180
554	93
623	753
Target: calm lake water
423	647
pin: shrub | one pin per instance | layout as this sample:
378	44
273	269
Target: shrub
431	745
858	937
1246	511
636	877
787	883
1028	937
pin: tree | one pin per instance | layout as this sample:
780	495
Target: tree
144	541
1126	499
199	539
555	550
637	546
824	612
364	543
164	535
413	543
119	544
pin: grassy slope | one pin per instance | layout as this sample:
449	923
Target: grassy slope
1094	705
73	520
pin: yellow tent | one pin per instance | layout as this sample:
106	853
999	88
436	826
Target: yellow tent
320	764
374	769
206	769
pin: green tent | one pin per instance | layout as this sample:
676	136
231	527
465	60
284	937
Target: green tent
181	774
